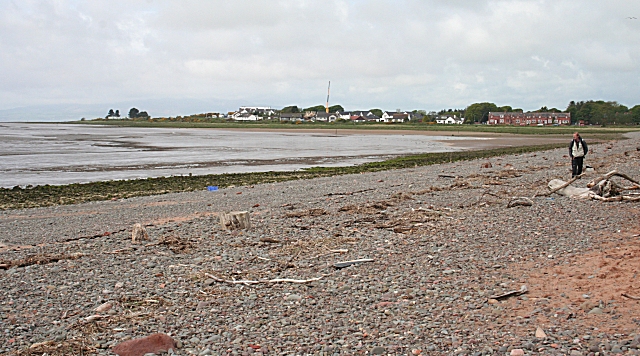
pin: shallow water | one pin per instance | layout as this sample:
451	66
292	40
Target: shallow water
37	154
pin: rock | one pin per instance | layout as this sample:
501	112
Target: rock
492	301
517	352
155	343
139	233
104	307
378	350
575	353
540	333
293	298
595	311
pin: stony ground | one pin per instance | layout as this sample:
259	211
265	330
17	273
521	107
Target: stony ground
442	240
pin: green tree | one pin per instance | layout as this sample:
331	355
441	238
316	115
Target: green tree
334	108
505	108
316	108
376	112
290	109
143	114
479	112
133	113
635	114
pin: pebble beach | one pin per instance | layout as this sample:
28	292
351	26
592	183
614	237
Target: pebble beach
441	248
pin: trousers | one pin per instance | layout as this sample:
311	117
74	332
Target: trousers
576	166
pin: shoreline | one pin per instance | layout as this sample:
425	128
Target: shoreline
442	241
51	195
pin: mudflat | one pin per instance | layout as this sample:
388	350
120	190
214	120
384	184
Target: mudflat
443	244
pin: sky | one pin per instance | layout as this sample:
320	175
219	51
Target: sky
81	58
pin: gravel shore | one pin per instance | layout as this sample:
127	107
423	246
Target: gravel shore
441	238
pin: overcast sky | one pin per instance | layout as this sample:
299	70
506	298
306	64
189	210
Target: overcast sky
413	54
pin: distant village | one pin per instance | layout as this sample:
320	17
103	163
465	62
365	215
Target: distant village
247	113
577	113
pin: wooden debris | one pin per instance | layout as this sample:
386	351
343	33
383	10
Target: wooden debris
235	220
555	189
609	175
630	296
139	233
267	281
513	293
269	240
350	263
521	201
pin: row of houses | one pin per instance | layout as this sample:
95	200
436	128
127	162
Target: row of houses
529	118
261	113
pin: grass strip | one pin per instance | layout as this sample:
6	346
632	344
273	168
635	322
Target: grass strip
49	195
601	132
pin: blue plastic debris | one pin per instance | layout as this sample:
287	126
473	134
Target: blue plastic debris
212	188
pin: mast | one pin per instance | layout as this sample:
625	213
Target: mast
328	91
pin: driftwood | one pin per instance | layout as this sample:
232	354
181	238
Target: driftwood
522	201
267	281
235	220
562	188
630	296
513	293
139	233
351	263
553	190
609	175
601	188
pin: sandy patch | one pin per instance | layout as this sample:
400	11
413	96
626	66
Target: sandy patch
598	290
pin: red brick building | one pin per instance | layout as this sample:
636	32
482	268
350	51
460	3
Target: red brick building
529	118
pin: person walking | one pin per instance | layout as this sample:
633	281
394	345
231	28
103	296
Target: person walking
577	150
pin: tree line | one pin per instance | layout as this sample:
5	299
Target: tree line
592	112
133	114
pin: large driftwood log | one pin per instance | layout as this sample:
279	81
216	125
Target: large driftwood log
609	175
267	281
139	233
562	188
235	220
557	187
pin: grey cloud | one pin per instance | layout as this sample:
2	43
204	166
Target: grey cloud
409	54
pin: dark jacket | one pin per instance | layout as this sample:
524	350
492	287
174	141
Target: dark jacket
584	147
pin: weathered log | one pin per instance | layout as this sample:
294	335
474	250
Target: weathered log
562	188
139	233
618	198
267	281
609	175
235	220
522	201
555	189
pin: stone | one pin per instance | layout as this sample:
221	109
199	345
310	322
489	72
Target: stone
104	307
293	298
139	233
595	311
155	343
492	301
575	353
517	352
378	350
540	333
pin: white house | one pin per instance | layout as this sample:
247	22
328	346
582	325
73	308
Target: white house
392	116
326	117
247	117
450	120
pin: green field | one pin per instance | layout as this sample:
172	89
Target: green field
601	132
